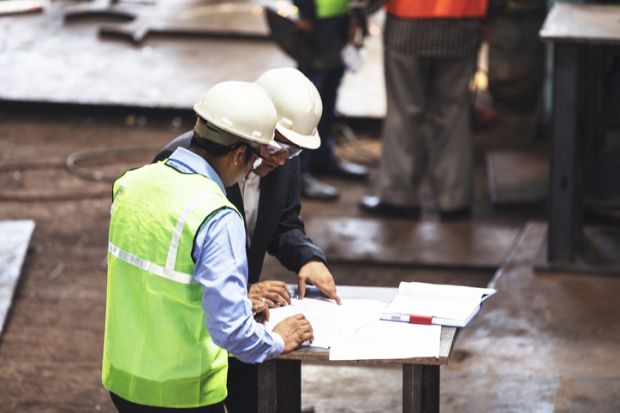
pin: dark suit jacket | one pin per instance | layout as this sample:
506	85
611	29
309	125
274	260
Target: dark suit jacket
279	228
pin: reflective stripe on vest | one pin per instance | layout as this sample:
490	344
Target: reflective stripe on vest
149	266
420	9
157	349
331	8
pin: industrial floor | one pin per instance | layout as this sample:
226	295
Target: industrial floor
544	343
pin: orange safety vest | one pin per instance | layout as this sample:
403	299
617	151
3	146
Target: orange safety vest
429	9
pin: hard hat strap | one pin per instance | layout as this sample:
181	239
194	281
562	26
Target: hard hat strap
213	134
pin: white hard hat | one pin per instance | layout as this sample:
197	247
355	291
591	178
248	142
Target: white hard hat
240	108
298	104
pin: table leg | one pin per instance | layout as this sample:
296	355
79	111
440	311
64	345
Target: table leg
420	389
279	386
565	197
595	79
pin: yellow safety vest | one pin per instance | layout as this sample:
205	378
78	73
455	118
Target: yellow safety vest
331	8
157	350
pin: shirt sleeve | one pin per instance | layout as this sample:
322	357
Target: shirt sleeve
221	269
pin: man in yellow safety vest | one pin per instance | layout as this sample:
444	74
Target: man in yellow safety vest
177	267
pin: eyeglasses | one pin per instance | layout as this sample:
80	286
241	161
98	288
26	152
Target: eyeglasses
278	148
255	151
291	149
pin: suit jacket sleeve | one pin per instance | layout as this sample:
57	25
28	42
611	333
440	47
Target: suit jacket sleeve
290	244
183	140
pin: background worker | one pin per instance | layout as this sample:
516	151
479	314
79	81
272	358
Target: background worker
330	19
269	198
177	266
430	52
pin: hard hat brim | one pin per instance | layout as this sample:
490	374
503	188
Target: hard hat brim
231	130
303	141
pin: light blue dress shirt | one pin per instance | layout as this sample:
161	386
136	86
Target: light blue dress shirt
222	270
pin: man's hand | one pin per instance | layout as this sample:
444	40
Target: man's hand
294	331
317	273
275	293
260	309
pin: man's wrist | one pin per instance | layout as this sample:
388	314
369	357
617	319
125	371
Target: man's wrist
313	259
278	345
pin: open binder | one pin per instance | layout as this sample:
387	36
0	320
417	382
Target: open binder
438	304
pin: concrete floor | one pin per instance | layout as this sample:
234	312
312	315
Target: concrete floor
545	343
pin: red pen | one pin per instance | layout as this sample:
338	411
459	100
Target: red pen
408	318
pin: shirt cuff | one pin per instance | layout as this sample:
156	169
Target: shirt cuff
278	344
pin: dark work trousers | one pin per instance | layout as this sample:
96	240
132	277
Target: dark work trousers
427	129
327	82
242	387
125	406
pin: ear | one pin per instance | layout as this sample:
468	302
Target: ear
239	155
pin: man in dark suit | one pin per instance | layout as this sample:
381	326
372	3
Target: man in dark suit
279	229
269	199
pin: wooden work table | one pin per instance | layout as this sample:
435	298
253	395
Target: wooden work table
280	379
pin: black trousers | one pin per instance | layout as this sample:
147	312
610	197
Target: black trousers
125	406
242	387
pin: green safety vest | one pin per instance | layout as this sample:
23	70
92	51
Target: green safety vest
331	8
157	350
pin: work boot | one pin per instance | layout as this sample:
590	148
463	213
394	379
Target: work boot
373	205
339	168
312	188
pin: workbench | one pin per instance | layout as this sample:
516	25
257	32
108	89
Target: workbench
582	37
280	379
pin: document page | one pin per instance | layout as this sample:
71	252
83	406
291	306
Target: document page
329	320
388	340
433	306
447	304
445	291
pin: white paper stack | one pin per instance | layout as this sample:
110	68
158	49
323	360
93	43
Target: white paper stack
354	331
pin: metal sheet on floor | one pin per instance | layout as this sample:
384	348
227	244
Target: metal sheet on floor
14	240
45	59
599	253
547	340
467	244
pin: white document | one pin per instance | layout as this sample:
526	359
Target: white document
330	321
435	307
450	305
388	340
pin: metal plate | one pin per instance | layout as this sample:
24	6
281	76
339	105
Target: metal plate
45	60
14	240
471	244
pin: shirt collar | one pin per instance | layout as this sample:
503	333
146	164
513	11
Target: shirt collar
186	161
